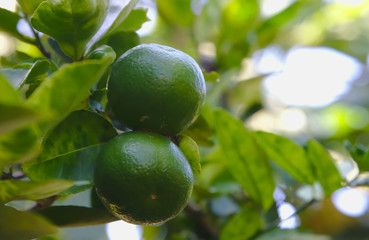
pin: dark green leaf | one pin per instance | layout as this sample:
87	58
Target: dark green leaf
191	151
71	149
11	190
76	166
16	225
102	52
246	162
123	14
79	130
243	225
38	71
176	11
65	89
134	21
75	216
29	6
325	169
20	145
8	24
288	155
71	23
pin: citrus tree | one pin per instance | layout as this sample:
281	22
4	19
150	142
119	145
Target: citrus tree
159	135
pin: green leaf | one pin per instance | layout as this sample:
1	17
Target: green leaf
325	169
238	18
16	116
70	150
244	159
76	216
29	6
191	151
287	234
176	11
134	21
8	24
288	155
71	22
123	14
211	76
201	132
20	145
8	95
270	28
243	225
38	70
17	225
102	52
11	190
15	76
122	41
245	94
64	90
360	154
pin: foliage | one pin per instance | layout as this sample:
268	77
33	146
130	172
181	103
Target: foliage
54	116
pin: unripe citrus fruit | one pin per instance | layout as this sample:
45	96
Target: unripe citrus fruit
143	178
156	88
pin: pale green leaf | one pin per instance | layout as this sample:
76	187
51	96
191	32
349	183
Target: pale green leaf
64	90
134	21
29	6
211	76
11	190
8	95
245	160
20	145
17	225
243	225
201	132
176	11
71	22
123	14
13	117
288	155
326	171
191	151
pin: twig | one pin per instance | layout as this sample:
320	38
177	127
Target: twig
38	40
44	203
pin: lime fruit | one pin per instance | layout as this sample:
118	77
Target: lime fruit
143	178
156	88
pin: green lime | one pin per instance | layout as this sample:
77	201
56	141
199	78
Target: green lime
143	178
156	88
